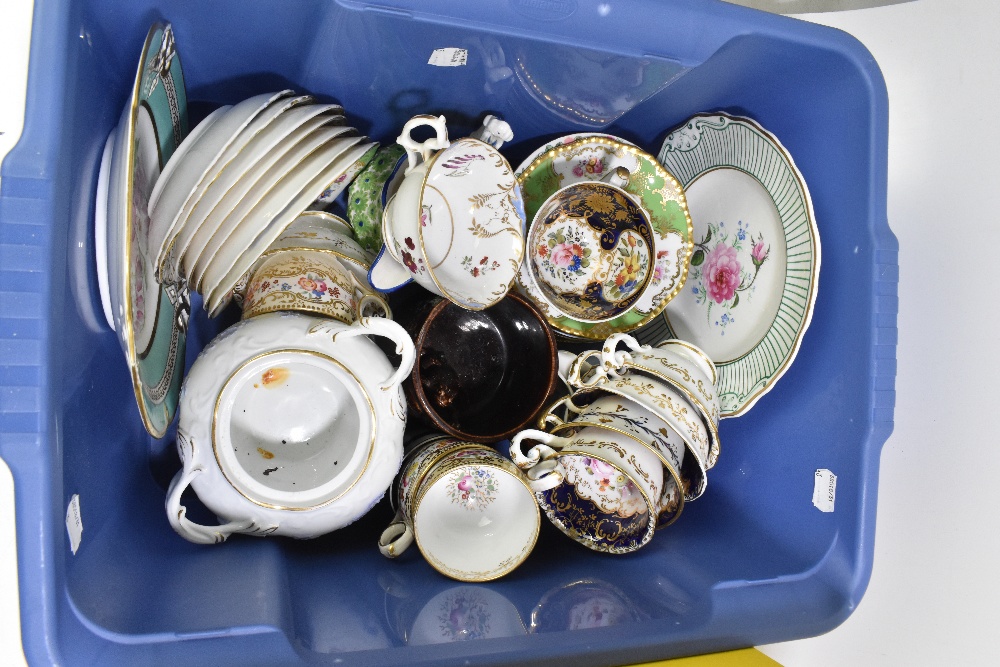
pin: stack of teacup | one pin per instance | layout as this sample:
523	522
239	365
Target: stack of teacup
315	266
640	433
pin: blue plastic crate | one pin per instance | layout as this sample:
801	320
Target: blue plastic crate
752	562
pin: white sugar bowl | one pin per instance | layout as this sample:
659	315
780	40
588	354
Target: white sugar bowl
290	425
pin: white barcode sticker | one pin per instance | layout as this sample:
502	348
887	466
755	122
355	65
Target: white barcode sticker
74	523
450	57
824	490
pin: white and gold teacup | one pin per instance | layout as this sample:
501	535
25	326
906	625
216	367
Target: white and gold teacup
471	511
310	281
681	365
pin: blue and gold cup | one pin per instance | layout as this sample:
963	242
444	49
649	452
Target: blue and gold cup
598	486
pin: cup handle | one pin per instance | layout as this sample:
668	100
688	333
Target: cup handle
368	299
599	373
177	513
550	418
566	360
537	453
377	326
396	538
417	152
612	359
618	177
544	476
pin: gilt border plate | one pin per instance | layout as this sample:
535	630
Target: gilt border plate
150	318
753	277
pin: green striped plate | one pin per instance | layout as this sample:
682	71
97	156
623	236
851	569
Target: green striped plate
751	286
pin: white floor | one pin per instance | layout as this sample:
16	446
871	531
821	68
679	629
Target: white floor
933	597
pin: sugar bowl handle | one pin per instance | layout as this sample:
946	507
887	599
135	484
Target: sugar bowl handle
177	513
377	326
417	152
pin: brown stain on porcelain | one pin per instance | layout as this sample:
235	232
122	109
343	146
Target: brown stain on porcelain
266	454
274	377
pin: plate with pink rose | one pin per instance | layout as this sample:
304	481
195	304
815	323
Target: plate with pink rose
751	285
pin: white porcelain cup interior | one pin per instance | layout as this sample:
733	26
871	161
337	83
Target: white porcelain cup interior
475	521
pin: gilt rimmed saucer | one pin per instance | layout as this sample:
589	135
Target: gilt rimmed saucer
752	283
591	157
149	318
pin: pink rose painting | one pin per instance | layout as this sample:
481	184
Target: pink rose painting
728	269
721	274
567	256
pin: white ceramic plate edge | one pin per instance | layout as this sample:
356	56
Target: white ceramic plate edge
101	228
321	141
209	200
217	298
213	143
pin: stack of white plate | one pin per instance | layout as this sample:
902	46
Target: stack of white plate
239	179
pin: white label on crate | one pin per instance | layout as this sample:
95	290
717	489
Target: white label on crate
450	57
824	490
74	524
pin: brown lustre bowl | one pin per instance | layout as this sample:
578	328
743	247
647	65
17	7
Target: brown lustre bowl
479	375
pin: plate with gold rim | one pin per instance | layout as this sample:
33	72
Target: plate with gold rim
150	319
752	283
335	176
590	157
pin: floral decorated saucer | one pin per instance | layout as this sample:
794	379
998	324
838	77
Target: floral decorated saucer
591	157
149	318
752	283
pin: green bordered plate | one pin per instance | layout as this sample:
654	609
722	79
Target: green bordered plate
150	318
752	284
591	157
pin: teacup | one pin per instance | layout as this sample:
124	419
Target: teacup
455	224
591	251
310	281
480	375
315	230
666	362
471	512
600	487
